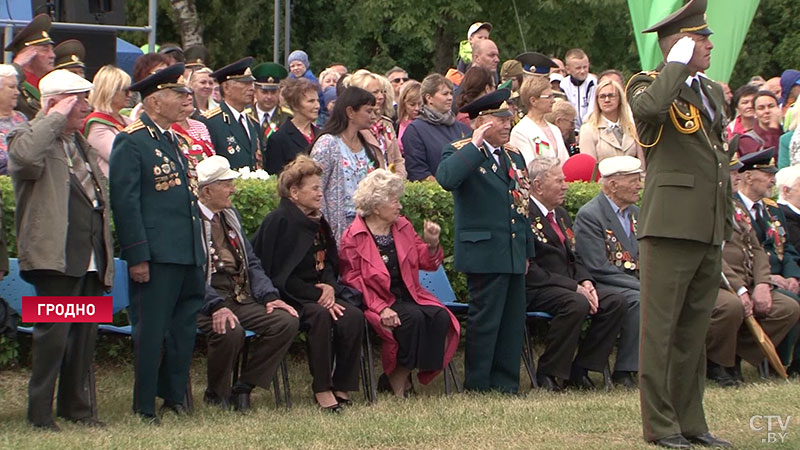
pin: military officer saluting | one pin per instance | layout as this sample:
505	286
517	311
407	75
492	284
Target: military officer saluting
268	109
154	201
234	133
70	55
493	241
680	118
33	59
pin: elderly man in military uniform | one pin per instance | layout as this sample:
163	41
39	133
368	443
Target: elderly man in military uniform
234	133
605	235
769	222
270	113
559	284
154	200
680	117
70	55
239	296
493	241
33	59
64	242
746	290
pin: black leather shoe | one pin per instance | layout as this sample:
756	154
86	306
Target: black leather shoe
624	379
178	408
344	402
149	419
333	409
212	399
674	441
548	383
50	426
583	382
90	422
720	375
709	440
240	402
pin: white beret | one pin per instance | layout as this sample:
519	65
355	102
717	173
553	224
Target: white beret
63	81
620	165
214	168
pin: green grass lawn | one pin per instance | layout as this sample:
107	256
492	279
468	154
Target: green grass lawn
576	420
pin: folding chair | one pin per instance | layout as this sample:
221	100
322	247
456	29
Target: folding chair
241	364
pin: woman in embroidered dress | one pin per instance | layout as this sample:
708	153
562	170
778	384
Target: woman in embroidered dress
110	95
345	156
533	135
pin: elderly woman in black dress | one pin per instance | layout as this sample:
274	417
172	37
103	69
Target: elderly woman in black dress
299	255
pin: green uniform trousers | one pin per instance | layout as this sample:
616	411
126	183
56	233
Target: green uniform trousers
163	317
679	280
789	348
495	321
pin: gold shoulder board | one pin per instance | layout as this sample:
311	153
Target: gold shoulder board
135	126
461	142
511	148
212	112
769	202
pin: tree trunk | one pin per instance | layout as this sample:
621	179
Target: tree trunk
443	54
188	23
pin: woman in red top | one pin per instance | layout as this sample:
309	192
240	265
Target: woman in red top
381	256
196	133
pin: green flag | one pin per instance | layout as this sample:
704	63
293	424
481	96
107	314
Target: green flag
729	19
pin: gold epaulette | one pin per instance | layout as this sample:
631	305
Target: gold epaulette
287	111
644	75
511	148
769	202
461	142
135	126
212	112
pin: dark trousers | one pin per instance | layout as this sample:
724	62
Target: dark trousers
274	334
569	309
495	321
62	350
680	280
328	338
421	335
163	317
628	344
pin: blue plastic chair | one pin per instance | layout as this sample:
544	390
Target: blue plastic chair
438	285
13	288
120	296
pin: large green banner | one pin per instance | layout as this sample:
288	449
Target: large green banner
729	19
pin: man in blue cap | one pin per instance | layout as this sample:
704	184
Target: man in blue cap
234	133
680	118
154	201
493	241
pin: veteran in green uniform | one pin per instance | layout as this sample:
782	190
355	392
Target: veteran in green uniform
70	55
493	241
33	59
234	133
680	118
267	109
154	201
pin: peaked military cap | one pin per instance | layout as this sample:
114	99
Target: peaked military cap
268	75
169	78
69	53
196	57
535	62
691	18
493	103
34	33
763	160
238	71
510	69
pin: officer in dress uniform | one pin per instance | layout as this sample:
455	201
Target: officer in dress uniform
234	133
269	112
746	290
769	222
33	59
154	200
680	118
70	55
493	241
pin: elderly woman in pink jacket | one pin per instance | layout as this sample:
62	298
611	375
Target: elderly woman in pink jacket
381	255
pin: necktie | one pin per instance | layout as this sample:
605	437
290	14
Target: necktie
244	125
761	221
699	91
81	170
171	139
502	161
552	219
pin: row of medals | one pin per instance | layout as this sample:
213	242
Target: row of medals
165	174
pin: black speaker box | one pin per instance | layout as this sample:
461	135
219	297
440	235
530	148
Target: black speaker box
105	12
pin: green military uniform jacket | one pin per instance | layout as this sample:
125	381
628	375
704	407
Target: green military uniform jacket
282	114
29	100
783	257
744	262
229	138
492	230
687	190
154	197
